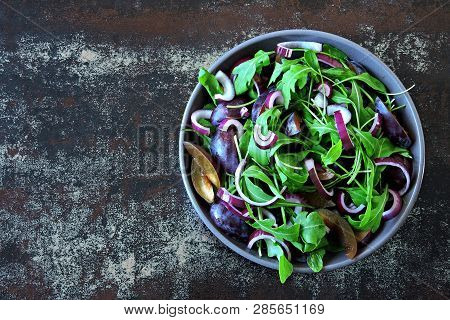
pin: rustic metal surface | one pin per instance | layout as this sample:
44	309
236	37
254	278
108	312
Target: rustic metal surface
91	201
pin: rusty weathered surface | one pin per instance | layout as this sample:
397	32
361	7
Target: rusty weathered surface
85	210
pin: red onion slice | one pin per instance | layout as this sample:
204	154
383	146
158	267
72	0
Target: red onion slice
258	91
227	197
342	131
228	87
396	207
325	88
242	214
309	164
396	162
264	141
196	116
262	235
347	209
296	199
237	179
376	125
274	96
320	101
328	60
346	114
225	124
244	113
284	49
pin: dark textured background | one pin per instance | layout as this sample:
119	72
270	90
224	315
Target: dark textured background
87	212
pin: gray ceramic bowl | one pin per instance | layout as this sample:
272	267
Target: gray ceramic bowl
408	117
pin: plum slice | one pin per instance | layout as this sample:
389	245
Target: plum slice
204	162
342	229
393	129
201	182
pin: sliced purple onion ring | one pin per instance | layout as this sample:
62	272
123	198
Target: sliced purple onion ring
196	116
309	164
237	179
320	101
328	60
272	97
351	209
228	87
262	235
296	199
396	207
376	125
342	131
396	162
244	113
269	215
325	88
241	213
346	114
258	91
284	49
264	141
227	197
225	124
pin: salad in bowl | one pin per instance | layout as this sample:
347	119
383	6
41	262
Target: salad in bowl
298	153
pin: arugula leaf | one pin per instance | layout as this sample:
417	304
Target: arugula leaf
273	249
378	204
356	97
282	141
297	74
269	119
285	269
369	142
246	71
254	192
315	261
366	114
386	148
262	157
317	128
312	227
256	173
293	179
244	141
311	60
284	232
281	68
333	154
210	83
340	97
357	194
372	82
333	52
338	73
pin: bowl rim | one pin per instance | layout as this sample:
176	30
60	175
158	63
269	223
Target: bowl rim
270	262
